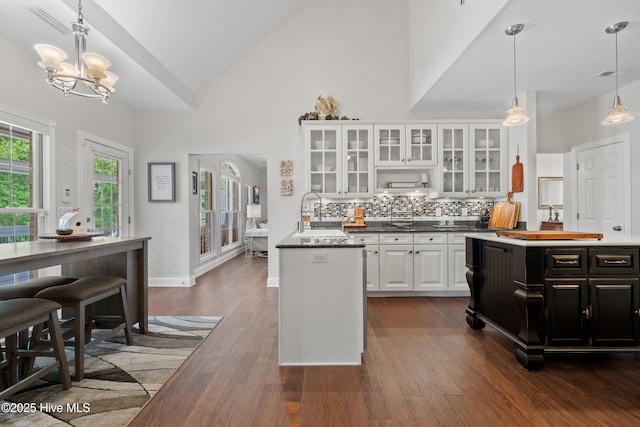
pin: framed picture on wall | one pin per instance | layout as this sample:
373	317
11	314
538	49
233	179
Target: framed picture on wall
256	195
162	182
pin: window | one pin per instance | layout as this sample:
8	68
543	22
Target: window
21	212
207	212
230	210
106	195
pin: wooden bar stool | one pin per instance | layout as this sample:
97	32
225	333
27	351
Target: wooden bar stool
79	296
20	314
30	288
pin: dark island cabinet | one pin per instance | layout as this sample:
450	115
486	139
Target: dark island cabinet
555	299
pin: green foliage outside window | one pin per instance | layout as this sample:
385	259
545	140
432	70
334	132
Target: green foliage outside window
15	177
106	195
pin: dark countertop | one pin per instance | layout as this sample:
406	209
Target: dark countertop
302	242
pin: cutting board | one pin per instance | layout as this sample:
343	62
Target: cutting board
505	214
548	234
517	176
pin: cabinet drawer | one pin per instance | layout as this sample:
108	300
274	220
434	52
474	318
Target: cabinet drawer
367	239
613	261
566	262
456	239
429	238
396	238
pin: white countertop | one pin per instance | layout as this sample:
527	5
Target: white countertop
608	240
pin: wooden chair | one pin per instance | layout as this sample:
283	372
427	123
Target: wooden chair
16	316
80	297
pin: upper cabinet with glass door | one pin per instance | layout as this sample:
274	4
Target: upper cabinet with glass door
405	145
488	166
339	160
454	160
323	159
473	162
357	175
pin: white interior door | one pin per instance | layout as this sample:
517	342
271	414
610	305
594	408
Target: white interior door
603	203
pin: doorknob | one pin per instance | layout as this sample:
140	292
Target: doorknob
617	227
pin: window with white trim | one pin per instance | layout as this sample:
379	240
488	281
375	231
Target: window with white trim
230	209
21	203
207	212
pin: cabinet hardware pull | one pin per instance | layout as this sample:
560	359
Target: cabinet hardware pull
614	261
637	312
586	313
567	262
417	252
410	252
617	227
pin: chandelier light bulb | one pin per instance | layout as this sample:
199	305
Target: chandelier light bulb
109	80
68	73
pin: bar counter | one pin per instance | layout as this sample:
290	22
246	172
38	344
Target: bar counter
124	257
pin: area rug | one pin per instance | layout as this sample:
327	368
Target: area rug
119	379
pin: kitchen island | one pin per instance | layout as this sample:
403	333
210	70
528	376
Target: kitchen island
322	299
549	296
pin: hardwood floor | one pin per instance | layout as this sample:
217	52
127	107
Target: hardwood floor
423	367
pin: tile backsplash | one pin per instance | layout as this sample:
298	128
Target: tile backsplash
381	206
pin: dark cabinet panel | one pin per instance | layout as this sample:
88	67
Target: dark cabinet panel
567	312
615	303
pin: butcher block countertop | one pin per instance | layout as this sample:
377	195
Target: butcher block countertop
609	239
548	234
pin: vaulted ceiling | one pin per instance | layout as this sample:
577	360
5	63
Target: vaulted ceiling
152	44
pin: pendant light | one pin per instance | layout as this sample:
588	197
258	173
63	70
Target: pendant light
617	113
516	116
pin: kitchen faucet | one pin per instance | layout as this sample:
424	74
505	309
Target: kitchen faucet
302	215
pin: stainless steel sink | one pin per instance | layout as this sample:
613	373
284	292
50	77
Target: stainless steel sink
450	226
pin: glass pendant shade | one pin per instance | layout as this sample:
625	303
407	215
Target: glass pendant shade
51	56
515	116
617	114
109	80
96	65
69	70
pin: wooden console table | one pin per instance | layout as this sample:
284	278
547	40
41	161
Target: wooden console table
114	256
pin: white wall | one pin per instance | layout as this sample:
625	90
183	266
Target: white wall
582	125
440	30
329	47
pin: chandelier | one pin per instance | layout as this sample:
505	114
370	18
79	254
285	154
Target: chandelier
516	116
88	77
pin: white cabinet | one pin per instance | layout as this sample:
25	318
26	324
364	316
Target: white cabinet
473	160
430	262
339	159
457	264
406	145
418	262
396	261
373	260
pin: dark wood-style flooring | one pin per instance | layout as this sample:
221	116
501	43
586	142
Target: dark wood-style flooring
423	367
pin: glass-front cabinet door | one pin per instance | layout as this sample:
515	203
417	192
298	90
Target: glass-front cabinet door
390	145
488	160
454	160
323	159
357	174
421	145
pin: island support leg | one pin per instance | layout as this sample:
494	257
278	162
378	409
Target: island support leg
530	302
474	282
